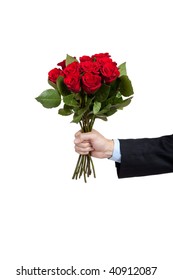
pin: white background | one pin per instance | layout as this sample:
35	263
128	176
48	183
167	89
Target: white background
47	219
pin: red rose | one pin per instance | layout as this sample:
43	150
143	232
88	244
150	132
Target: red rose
85	58
62	64
100	55
110	72
91	82
103	60
89	66
72	82
54	74
72	68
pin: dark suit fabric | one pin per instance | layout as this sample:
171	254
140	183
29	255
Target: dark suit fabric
145	156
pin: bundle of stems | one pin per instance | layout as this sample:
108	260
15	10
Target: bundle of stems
85	165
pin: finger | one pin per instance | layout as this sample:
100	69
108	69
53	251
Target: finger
77	133
83	145
83	151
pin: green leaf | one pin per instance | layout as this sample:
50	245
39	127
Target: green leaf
126	88
112	100
49	98
76	118
122	69
96	107
114	87
62	88
104	110
118	95
112	111
83	110
52	84
102	117
69	59
65	112
67	107
70	100
79	112
124	103
102	93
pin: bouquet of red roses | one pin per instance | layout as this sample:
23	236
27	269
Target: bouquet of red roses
89	88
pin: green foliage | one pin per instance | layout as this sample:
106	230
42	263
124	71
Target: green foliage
96	107
102	93
69	59
65	112
62	88
123	103
49	98
111	111
105	102
122	69
81	112
52	84
71	100
126	88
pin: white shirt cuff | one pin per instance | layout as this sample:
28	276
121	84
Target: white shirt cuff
116	156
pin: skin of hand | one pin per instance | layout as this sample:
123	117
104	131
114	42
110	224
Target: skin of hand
94	143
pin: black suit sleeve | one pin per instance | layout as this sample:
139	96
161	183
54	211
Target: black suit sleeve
147	156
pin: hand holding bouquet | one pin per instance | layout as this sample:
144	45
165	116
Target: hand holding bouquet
93	87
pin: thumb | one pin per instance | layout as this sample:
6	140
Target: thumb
81	137
78	139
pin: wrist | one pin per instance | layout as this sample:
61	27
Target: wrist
110	148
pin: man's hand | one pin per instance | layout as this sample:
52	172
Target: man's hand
94	143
